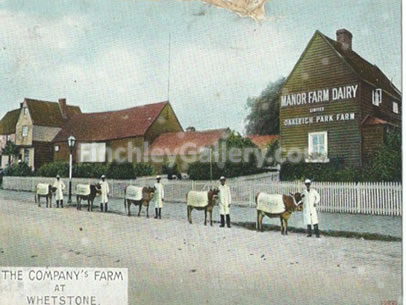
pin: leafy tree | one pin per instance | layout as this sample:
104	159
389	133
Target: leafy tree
10	150
264	110
387	163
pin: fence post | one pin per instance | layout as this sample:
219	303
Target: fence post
358	198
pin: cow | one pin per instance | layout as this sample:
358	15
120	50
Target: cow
140	196
87	192
281	206
201	201
44	190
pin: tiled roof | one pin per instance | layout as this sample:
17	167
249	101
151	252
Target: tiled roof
185	143
263	140
103	126
367	71
45	113
9	121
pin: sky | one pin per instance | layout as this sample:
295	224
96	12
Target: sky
112	54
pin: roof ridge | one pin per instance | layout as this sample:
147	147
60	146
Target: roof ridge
126	109
196	131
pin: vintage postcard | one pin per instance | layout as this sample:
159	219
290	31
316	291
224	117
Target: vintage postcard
201	152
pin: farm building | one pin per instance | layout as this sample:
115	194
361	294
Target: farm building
115	135
183	148
33	127
8	133
334	103
263	141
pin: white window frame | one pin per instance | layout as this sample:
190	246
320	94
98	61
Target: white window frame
375	101
25	110
395	107
320	159
56	148
25	128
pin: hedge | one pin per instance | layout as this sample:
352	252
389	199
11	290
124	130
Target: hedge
21	169
96	170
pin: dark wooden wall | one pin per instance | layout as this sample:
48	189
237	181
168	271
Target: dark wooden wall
321	68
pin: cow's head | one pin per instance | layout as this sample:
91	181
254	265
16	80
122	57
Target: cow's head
213	193
151	192
95	188
298	201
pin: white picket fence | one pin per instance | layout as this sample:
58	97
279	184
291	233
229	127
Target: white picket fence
378	198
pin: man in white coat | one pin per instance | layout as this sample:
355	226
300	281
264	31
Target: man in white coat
105	190
60	187
159	196
310	200
224	202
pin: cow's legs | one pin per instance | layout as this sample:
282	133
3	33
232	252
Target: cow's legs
39	200
211	217
148	210
205	216
260	218
189	208
281	224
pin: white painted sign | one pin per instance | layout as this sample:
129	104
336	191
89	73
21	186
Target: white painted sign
322	118
319	96
63	286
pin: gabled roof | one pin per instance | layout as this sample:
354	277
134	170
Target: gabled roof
9	121
185	143
366	71
111	125
263	141
44	113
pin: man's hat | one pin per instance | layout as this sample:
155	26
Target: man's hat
222	178
307	181
103	176
57	176
158	177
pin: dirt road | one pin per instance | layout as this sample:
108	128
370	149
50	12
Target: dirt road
172	262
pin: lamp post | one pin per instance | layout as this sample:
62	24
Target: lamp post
71	144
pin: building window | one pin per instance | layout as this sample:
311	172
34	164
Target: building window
25	131
56	147
8	138
377	97
27	156
25	110
395	107
318	147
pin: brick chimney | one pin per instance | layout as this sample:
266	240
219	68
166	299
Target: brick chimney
344	38
63	108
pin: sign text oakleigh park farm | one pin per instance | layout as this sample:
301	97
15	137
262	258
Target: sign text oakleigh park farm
323	118
319	96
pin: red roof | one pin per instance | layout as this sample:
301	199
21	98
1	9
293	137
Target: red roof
185	143
263	140
103	126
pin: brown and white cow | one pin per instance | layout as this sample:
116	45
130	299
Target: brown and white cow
87	192
140	196
281	206
201	201
44	190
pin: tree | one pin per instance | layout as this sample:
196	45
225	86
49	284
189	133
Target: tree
10	150
264	110
387	163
